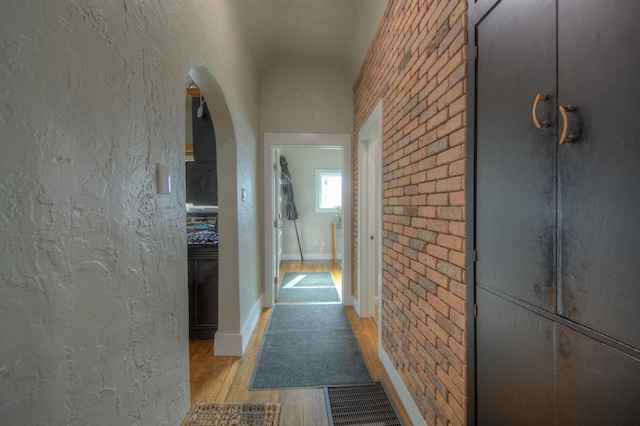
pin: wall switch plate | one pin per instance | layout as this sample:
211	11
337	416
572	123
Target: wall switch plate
163	179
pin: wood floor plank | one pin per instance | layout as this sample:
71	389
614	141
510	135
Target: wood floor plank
219	379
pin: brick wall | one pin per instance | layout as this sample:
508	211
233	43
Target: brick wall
418	65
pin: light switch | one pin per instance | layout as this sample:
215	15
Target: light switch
163	179
243	194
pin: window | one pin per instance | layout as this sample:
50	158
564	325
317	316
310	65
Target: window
328	191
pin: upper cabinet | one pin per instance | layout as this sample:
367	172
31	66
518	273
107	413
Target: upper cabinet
202	176
557	234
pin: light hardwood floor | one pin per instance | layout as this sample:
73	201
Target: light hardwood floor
219	379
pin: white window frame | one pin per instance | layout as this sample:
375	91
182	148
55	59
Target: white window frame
319	174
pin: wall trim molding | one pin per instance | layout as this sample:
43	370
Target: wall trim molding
252	321
228	344
412	409
310	256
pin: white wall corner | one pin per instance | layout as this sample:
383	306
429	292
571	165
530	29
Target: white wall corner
356	306
412	409
227	345
309	256
347	299
235	344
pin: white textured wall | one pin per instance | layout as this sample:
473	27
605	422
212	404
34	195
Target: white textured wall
364	29
314	228
306	96
93	303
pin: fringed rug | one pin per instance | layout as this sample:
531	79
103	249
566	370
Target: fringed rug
234	413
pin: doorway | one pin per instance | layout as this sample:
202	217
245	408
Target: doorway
278	218
276	144
227	217
370	215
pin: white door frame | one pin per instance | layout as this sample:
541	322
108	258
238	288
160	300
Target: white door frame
276	203
272	140
370	215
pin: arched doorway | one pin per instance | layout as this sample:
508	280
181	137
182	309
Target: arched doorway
228	298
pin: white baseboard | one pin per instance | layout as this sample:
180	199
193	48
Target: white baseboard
309	256
227	345
235	344
252	321
347	300
412	409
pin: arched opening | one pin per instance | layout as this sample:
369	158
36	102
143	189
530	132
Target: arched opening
227	214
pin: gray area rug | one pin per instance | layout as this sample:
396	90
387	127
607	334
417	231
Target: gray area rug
303	279
309	346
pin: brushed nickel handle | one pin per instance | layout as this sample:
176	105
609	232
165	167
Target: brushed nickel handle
534	115
565	127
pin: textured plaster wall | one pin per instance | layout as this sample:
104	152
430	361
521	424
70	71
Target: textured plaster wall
93	303
314	228
306	96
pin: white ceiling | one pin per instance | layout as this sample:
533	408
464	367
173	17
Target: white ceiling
339	31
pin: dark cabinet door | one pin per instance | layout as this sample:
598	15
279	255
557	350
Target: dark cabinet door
515	180
203	298
558	225
599	174
515	377
596	384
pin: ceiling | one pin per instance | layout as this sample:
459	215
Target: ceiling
339	31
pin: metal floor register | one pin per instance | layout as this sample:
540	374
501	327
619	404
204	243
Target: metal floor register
360	405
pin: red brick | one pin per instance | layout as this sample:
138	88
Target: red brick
458	137
452	300
438	200
457	168
450	184
450	155
417	63
454	93
457	228
438	173
437	251
438	278
450	270
457	258
446	127
440	332
450	241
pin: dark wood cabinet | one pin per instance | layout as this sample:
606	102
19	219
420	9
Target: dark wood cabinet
556	224
203	292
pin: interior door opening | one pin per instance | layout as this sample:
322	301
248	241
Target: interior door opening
317	228
370	216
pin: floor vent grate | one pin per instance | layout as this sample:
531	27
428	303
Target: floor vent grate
360	405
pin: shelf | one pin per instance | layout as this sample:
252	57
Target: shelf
194	92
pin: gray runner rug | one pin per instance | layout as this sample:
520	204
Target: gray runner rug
303	279
307	287
309	346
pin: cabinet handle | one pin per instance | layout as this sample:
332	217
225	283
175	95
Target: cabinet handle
565	127
534	115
